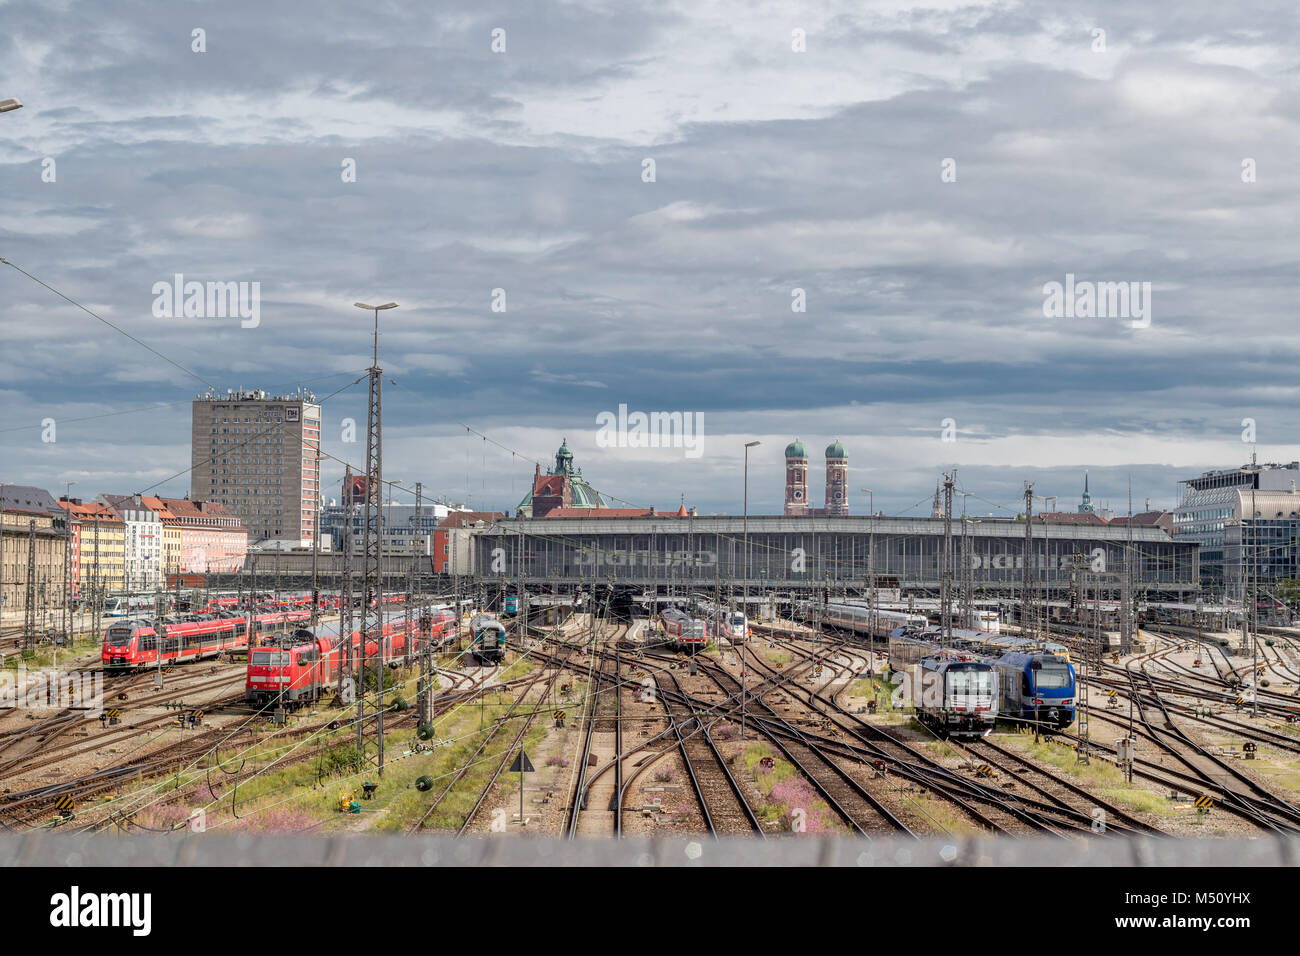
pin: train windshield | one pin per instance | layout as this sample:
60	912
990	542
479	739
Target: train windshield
737	620
970	679
1053	677
269	658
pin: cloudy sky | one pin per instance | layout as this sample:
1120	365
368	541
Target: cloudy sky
1161	151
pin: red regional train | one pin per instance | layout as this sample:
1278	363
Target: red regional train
303	665
685	633
135	644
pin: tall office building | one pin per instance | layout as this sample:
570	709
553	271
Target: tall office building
256	454
1213	502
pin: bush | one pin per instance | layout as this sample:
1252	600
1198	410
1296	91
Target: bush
341	758
556	761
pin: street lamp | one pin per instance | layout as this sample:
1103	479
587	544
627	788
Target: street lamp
10	104
376	309
744	673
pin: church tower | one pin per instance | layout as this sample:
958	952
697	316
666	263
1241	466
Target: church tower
1085	506
837	479
796	479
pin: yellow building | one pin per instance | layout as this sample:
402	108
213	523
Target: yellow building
30	527
107	564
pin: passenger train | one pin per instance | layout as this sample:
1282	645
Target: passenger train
684	632
862	619
489	638
1036	686
303	665
726	622
135	643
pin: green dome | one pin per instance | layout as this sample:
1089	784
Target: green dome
796	450
836	450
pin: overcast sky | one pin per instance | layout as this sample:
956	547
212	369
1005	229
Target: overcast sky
1115	158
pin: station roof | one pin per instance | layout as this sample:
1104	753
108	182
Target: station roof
601	523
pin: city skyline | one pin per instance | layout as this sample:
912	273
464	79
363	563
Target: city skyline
924	230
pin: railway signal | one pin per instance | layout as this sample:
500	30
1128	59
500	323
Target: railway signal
1203	804
1249	750
521	766
559	718
767	763
880	767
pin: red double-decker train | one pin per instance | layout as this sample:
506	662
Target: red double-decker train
136	644
303	665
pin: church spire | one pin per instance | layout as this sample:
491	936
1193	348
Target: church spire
1085	505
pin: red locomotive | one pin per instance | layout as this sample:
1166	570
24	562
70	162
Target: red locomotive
302	665
135	643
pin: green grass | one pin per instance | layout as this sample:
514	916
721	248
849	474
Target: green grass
311	787
1102	775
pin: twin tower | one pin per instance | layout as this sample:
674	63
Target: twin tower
796	480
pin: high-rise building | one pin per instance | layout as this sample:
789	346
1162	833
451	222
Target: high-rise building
256	454
1212	502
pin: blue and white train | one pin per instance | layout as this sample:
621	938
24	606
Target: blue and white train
1036	686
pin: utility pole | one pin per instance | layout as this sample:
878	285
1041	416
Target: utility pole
945	583
373	546
345	591
315	547
1254	601
967	572
1027	595
29	593
95	598
744	661
67	563
1126	583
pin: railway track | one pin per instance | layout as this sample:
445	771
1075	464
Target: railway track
989	807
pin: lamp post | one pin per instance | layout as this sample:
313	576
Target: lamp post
744	671
13	103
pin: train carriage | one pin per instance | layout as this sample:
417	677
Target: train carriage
683	632
136	643
1036	686
304	665
862	619
489	638
952	692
